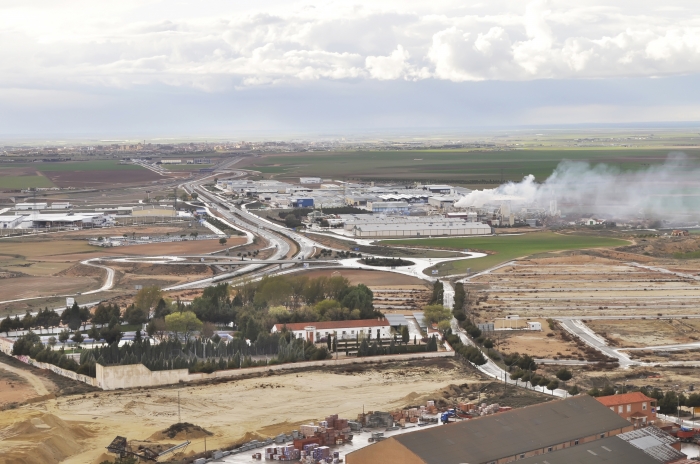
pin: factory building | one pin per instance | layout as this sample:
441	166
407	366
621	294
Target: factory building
389	207
303	203
438	189
42	220
315	331
170	161
310	180
518	434
11	222
359	200
153	210
433	229
31	206
443	202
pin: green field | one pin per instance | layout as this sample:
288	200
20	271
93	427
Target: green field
456	166
504	248
79	166
97	165
23	182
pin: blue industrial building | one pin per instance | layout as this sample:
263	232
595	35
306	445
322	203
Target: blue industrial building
304	203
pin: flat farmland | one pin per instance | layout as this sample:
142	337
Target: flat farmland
458	166
503	248
583	285
97	173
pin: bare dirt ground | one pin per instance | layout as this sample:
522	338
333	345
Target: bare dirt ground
20	382
538	344
583	284
26	287
53	266
643	333
401	299
282	403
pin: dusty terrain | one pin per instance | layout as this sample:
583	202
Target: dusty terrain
53	266
586	285
643	333
232	411
538	344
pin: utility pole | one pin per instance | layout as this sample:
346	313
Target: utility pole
179	420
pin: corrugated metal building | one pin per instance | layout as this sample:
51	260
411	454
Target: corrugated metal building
432	229
608	451
500	438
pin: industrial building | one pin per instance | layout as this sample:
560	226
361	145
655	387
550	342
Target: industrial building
433	229
610	450
11	222
43	220
31	206
303	203
315	331
389	207
442	202
310	180
505	437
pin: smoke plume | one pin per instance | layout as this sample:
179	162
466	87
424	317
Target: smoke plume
667	190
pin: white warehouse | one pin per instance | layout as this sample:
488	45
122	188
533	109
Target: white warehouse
433	229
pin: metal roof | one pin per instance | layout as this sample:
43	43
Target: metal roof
420	319
609	450
490	438
654	442
396	319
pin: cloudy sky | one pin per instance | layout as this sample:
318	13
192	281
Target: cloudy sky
229	68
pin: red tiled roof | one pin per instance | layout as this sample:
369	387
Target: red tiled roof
326	325
625	398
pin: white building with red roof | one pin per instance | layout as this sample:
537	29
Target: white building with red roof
350	329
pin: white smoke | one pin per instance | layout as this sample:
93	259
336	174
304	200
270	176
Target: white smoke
671	189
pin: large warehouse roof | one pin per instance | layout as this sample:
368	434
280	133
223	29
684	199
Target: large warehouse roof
610	450
490	438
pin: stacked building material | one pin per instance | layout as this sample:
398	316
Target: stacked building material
486	410
466	407
332	431
309	430
282	453
300	443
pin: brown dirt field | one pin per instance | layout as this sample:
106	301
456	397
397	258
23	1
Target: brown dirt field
536	344
27	287
139	230
138	414
369	278
641	333
658	357
101	178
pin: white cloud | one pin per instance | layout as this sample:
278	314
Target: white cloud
389	67
211	45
